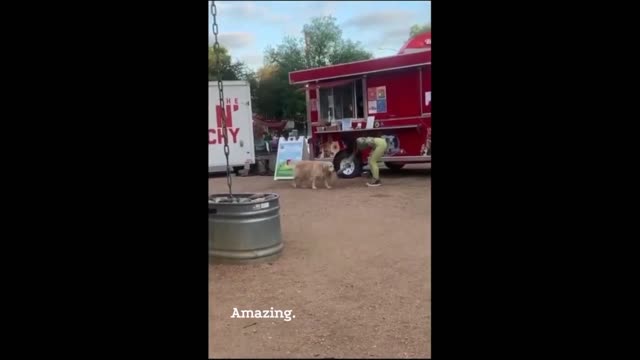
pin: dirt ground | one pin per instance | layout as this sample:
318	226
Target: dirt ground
355	271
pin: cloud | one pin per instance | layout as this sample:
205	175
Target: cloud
387	29
388	41
253	61
247	10
379	19
235	40
292	30
327	8
305	10
397	33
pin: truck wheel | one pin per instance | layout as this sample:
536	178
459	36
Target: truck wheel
394	166
352	168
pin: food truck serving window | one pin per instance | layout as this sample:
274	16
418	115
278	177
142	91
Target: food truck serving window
341	101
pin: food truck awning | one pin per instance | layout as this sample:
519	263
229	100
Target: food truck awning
361	67
325	84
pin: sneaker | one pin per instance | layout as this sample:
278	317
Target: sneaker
375	182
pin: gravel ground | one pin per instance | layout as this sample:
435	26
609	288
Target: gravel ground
355	271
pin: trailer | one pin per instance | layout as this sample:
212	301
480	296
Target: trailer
387	97
239	126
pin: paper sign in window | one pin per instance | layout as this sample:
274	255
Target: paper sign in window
371	94
372	107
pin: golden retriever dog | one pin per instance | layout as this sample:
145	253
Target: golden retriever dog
306	170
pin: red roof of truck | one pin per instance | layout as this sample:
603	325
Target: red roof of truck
417	43
388	63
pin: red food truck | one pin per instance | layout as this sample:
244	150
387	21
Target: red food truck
387	97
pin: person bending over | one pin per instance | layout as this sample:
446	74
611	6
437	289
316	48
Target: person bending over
378	146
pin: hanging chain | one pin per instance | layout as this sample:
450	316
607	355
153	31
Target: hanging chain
222	113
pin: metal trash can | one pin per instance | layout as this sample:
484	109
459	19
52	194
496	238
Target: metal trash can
245	228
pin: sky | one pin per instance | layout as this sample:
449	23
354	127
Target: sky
247	28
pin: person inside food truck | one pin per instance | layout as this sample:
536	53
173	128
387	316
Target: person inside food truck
348	111
378	146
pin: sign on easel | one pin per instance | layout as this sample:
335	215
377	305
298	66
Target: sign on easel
289	151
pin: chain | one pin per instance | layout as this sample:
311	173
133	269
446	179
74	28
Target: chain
222	113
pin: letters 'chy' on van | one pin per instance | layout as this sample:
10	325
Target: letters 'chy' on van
232	132
237	110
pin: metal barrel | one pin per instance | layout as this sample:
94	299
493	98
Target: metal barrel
245	229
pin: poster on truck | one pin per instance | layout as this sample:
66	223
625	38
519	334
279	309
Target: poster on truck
377	100
371	94
372	107
289	152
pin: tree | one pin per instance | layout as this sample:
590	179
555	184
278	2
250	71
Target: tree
269	90
288	56
252	78
230	71
419	29
348	51
321	45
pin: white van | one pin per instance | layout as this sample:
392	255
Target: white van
239	126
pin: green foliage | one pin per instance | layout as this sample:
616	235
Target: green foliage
321	45
230	71
419	29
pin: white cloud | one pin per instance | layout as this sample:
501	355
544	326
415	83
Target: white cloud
304	11
235	40
293	30
386	46
394	38
253	61
309	9
378	19
389	29
397	33
247	10
328	8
